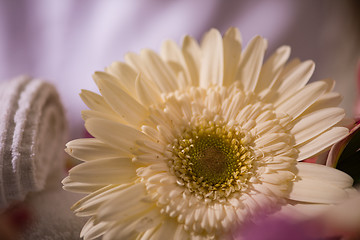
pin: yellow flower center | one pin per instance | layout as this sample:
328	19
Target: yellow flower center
212	160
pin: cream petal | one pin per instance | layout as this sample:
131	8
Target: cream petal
232	52
301	100
328	100
93	229
147	92
159	72
96	102
121	231
295	79
79	187
125	74
271	68
88	149
87	114
172	54
301	211
212	61
135	227
104	171
90	204
126	203
115	134
251	62
278	177
135	62
167	230
232	106
126	106
321	142
213	101
323	173
192	55
272	138
311	210
312	124
316	191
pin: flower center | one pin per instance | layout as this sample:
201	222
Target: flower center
212	160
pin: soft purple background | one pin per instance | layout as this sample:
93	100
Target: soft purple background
65	41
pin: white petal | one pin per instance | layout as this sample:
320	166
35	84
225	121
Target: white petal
315	191
78	187
321	143
126	106
271	68
167	230
295	79
104	171
115	134
251	62
302	99
159	72
147	92
93	229
232	53
90	204
125	74
88	149
126	203
192	56
212	61
330	99
87	114
323	173
314	123
96	102
172	54
272	138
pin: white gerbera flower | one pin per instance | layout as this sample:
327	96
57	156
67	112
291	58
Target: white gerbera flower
191	143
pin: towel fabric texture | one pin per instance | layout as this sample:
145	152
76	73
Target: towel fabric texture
33	131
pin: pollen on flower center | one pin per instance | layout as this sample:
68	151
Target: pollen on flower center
212	160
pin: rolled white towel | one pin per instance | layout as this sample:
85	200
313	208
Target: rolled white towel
33	131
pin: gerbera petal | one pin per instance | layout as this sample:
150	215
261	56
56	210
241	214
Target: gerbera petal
93	229
125	74
113	133
316	191
104	171
90	204
159	72
79	187
251	62
88	149
167	230
126	203
87	114
321	142
312	124
302	99
271	68
126	106
95	101
192	54
295	79
232	53
328	100
172	54
212	61
323	173
146	91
